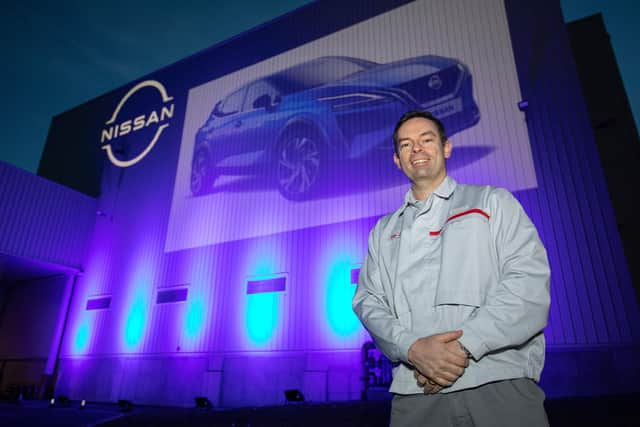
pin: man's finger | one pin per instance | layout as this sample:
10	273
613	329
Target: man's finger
445	378
431	389
455	371
443	382
457	359
454	347
449	336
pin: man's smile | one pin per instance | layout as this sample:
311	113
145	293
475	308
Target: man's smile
419	161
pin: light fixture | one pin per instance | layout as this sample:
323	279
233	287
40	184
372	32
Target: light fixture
523	105
125	405
293	395
63	401
203	402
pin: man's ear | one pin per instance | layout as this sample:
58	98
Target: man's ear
448	147
396	160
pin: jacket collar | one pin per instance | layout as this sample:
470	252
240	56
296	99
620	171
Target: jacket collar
444	191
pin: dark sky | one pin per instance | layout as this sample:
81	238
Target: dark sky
61	54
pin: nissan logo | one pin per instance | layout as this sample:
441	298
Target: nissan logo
435	82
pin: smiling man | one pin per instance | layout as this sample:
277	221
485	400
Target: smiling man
455	290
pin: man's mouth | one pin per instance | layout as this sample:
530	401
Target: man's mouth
419	161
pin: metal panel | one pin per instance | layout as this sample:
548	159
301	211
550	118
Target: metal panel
592	294
43	220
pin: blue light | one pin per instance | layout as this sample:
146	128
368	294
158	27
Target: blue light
195	318
135	323
262	316
263	266
137	300
261	309
340	291
82	337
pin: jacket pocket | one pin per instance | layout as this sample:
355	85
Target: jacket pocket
466	266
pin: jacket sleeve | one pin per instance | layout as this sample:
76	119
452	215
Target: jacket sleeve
375	311
517	308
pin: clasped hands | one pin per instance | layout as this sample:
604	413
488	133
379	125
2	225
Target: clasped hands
439	360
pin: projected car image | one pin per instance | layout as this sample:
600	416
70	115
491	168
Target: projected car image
294	127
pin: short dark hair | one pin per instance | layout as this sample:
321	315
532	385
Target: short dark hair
418	114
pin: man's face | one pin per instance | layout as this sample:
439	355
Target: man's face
421	154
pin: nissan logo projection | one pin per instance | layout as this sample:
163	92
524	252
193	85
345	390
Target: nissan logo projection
299	123
303	139
144	128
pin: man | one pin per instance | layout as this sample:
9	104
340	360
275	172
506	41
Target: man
455	288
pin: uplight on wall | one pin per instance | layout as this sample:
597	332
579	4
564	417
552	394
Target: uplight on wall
263	305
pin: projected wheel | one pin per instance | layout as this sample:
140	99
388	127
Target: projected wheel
202	174
301	161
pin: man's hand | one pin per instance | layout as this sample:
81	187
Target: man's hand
439	357
429	386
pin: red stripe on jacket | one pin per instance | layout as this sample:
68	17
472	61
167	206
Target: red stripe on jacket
458	215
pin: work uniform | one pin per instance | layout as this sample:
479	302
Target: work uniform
466	258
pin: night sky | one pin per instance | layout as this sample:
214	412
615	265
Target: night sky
61	54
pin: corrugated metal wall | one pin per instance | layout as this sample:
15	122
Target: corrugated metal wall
593	302
43	220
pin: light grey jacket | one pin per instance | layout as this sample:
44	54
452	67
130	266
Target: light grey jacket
469	259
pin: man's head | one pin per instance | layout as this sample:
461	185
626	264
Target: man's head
418	114
421	150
